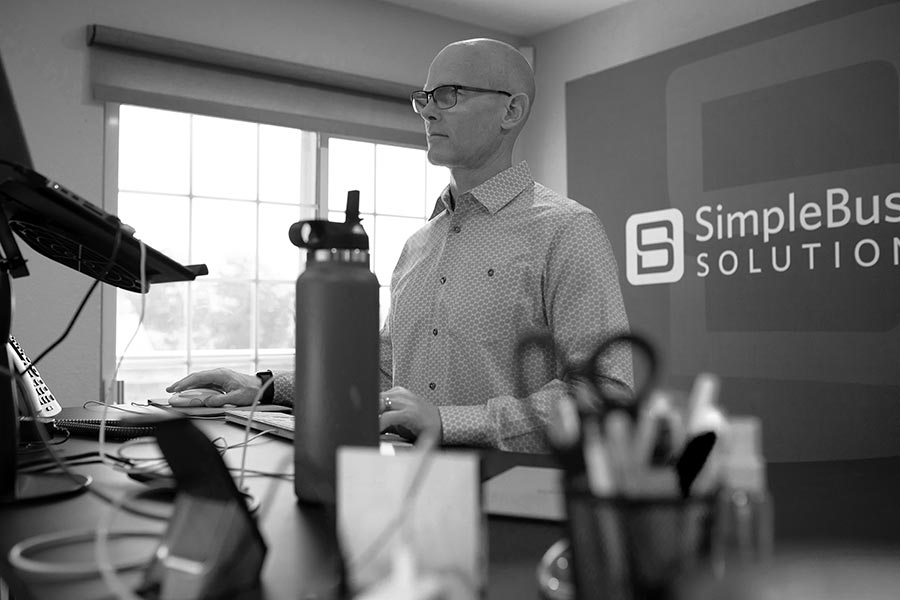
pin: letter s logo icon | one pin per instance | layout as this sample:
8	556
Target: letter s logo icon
654	247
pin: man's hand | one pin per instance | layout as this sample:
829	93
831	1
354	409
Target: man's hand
409	414
240	389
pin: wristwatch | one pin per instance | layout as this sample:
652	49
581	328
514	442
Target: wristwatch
269	395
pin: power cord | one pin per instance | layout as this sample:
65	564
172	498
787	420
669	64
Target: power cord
108	392
108	571
425	445
20	560
109	263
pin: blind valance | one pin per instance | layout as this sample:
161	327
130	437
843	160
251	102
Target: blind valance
136	68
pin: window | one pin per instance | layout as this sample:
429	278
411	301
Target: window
397	190
224	193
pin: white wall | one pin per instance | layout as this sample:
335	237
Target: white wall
613	37
42	43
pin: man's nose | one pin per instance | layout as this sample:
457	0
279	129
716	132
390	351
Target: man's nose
430	111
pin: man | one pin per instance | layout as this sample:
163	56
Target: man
501	256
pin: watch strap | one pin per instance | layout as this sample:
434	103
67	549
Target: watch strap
269	394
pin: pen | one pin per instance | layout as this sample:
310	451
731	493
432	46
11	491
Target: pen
659	432
619	453
596	461
702	402
698	466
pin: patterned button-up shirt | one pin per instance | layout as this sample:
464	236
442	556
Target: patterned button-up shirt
511	257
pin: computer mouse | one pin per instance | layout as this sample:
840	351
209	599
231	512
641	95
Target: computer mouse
193	397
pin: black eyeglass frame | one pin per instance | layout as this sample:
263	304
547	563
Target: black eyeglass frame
429	95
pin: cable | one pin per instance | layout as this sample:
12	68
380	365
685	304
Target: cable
91	489
60	570
116	407
259	394
101	547
109	263
269	495
426	445
108	393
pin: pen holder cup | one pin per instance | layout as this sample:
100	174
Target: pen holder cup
638	548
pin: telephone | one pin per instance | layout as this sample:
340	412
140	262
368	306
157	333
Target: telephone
31	385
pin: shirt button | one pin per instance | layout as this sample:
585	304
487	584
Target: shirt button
457	229
443	280
434	332
432	385
490	272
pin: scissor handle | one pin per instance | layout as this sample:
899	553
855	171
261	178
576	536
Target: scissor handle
591	374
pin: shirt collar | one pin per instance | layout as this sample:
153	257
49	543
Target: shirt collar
495	193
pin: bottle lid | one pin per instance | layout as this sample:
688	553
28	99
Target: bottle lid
329	235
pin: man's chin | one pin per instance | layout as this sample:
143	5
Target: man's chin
438	158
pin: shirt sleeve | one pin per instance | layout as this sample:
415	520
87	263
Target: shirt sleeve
583	307
385	357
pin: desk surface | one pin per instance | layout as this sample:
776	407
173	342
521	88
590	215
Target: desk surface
827	504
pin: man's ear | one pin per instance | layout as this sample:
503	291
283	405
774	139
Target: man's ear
516	110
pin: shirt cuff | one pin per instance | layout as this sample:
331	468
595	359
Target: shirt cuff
283	383
465	426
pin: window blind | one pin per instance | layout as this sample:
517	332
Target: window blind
136	68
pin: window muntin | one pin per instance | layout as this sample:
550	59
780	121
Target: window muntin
224	192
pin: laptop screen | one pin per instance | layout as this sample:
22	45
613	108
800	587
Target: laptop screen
12	141
65	227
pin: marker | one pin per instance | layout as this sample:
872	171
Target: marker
619	450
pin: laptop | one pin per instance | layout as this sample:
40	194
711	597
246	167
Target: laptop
65	227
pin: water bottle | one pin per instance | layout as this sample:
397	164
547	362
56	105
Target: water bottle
336	376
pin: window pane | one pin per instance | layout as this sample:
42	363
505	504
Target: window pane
280	161
154	150
392	235
276	362
160	221
351	166
278	257
276	315
164	327
368	223
221	313
240	362
145	380
224	158
224	237
400	181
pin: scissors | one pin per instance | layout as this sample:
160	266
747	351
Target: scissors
586	384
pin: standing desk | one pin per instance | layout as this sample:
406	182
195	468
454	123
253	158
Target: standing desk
300	558
818	505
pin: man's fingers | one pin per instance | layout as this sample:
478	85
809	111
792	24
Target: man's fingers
195	380
391	419
238	398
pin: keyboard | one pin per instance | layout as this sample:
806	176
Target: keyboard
282	425
278	423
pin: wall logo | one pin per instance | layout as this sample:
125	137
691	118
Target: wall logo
654	247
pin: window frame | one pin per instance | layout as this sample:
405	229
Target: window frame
315	174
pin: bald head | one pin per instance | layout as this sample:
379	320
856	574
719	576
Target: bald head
472	125
486	63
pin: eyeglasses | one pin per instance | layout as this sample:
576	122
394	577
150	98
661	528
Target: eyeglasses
445	96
